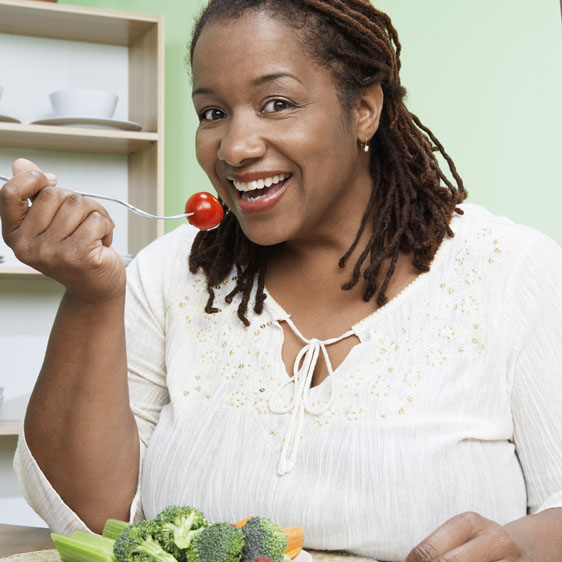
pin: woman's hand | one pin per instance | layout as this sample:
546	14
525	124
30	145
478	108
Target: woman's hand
469	537
63	235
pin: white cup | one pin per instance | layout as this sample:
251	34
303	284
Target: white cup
82	102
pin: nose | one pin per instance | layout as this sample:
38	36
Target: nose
241	142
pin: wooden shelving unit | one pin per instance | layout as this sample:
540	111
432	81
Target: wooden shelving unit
18	271
144	37
75	139
10	427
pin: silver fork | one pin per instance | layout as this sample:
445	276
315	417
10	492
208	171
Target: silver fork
125	204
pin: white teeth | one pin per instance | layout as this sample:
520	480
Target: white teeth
259	184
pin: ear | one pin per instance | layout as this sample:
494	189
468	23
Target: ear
368	110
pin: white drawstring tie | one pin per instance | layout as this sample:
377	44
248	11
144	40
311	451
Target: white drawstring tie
303	370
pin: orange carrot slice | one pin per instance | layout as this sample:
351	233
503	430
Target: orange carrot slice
295	540
293	553
242	522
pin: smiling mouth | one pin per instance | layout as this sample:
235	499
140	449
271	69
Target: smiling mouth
253	190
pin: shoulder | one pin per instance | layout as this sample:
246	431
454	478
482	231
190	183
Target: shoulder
481	230
165	259
524	264
178	240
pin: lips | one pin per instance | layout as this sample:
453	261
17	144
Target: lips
250	187
260	191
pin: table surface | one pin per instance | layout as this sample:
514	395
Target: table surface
15	539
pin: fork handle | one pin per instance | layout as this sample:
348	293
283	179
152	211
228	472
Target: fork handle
125	204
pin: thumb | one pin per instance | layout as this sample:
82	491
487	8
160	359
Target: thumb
23	165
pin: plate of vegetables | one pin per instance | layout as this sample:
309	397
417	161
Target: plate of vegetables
183	534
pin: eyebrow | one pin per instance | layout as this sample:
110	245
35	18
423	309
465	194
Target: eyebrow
257	82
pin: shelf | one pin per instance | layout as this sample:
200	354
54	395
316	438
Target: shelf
10	427
19	271
73	23
74	139
22	271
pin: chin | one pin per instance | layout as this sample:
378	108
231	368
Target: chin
264	236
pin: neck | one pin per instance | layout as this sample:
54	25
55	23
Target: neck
315	261
337	232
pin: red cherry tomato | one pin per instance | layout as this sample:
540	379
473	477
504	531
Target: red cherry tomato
206	208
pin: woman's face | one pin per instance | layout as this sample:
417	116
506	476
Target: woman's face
273	136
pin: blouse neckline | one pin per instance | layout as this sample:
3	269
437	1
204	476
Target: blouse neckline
305	364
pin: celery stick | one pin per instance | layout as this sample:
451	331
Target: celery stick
97	541
113	527
74	550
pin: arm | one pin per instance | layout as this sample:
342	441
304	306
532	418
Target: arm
539	535
78	426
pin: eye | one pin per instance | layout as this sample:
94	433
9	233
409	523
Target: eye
211	114
277	105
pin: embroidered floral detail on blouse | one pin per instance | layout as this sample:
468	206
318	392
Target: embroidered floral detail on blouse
237	399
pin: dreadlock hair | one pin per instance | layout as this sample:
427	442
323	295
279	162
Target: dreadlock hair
409	209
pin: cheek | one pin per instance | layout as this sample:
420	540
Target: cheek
206	148
329	148
204	151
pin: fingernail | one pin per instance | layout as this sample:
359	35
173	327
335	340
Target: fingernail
51	177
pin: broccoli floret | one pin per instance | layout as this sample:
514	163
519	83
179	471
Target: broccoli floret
218	543
176	526
136	543
262	538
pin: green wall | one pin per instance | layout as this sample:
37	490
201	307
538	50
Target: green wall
484	75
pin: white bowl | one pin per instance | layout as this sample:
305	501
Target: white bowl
98	104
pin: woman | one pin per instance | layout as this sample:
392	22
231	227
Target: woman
423	404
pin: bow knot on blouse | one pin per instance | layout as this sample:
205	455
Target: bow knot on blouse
303	371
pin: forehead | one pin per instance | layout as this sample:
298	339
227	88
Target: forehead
250	46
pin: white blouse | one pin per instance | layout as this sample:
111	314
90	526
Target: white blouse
450	402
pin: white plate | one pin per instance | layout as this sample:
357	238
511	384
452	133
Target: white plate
91	122
127	258
8	119
303	557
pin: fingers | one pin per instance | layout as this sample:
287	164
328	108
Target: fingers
59	210
57	213
27	182
23	165
61	229
62	234
468	537
454	532
94	232
488	547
